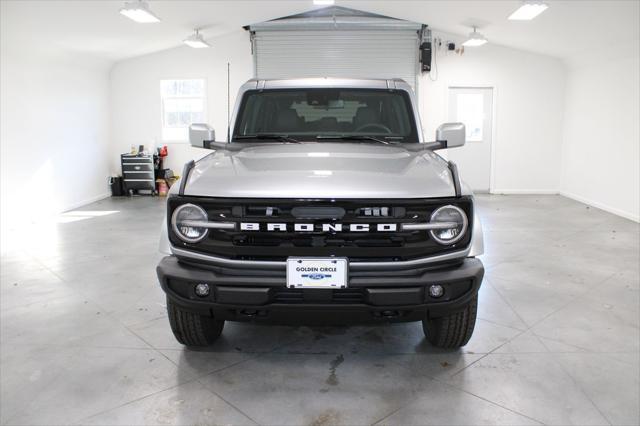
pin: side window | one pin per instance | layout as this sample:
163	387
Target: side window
183	102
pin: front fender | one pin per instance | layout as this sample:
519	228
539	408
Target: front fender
477	238
164	245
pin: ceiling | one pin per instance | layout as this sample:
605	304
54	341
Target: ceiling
95	27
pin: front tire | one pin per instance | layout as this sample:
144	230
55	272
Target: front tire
453	330
193	329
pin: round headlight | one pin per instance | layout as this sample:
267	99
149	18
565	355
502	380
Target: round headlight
183	220
456	218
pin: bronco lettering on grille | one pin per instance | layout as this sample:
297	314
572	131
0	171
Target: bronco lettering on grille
324	227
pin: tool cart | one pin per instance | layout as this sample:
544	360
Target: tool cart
139	173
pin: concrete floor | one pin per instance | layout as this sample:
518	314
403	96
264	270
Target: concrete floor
85	338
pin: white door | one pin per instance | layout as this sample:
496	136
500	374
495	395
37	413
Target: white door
473	106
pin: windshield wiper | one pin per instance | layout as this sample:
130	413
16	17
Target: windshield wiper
268	136
355	138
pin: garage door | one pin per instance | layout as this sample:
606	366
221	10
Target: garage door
385	53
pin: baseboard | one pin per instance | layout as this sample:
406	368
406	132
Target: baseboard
601	206
83	203
524	192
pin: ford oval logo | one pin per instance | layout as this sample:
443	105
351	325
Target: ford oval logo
317	276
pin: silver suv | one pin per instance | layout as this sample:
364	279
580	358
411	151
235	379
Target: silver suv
326	205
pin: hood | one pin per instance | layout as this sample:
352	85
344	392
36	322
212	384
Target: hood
321	170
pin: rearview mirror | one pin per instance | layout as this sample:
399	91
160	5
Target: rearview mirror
451	135
200	134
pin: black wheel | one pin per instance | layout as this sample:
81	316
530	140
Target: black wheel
453	330
192	329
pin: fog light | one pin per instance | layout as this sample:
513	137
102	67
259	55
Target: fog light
436	291
202	290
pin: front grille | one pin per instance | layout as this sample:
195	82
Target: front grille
278	245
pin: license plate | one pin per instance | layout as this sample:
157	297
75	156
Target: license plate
316	273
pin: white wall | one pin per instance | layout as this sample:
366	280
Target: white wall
135	90
528	104
54	137
601	154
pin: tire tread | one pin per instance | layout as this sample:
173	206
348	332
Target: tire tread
453	330
192	329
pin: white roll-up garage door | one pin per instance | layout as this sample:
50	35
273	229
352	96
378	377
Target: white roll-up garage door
339	46
340	53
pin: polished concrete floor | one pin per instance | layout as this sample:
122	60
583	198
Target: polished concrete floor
85	337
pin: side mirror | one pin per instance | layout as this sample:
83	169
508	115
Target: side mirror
451	135
200	134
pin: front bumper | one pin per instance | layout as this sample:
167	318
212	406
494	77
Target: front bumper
370	297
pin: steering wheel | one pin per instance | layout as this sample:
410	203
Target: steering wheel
374	126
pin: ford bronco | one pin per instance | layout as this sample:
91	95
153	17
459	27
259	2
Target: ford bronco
325	205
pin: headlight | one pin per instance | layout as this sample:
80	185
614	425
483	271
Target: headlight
451	234
182	223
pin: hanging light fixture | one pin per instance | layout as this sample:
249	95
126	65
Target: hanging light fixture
138	10
196	41
529	10
475	39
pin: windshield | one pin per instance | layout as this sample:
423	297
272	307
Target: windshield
312	114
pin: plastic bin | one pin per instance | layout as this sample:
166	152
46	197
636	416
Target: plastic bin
115	183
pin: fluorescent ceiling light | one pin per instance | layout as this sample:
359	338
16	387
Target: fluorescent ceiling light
528	11
139	11
323	2
475	39
196	41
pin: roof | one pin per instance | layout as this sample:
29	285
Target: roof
334	11
322	82
333	18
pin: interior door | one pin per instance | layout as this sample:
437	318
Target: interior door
473	106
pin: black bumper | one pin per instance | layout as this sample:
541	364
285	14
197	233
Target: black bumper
262	295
